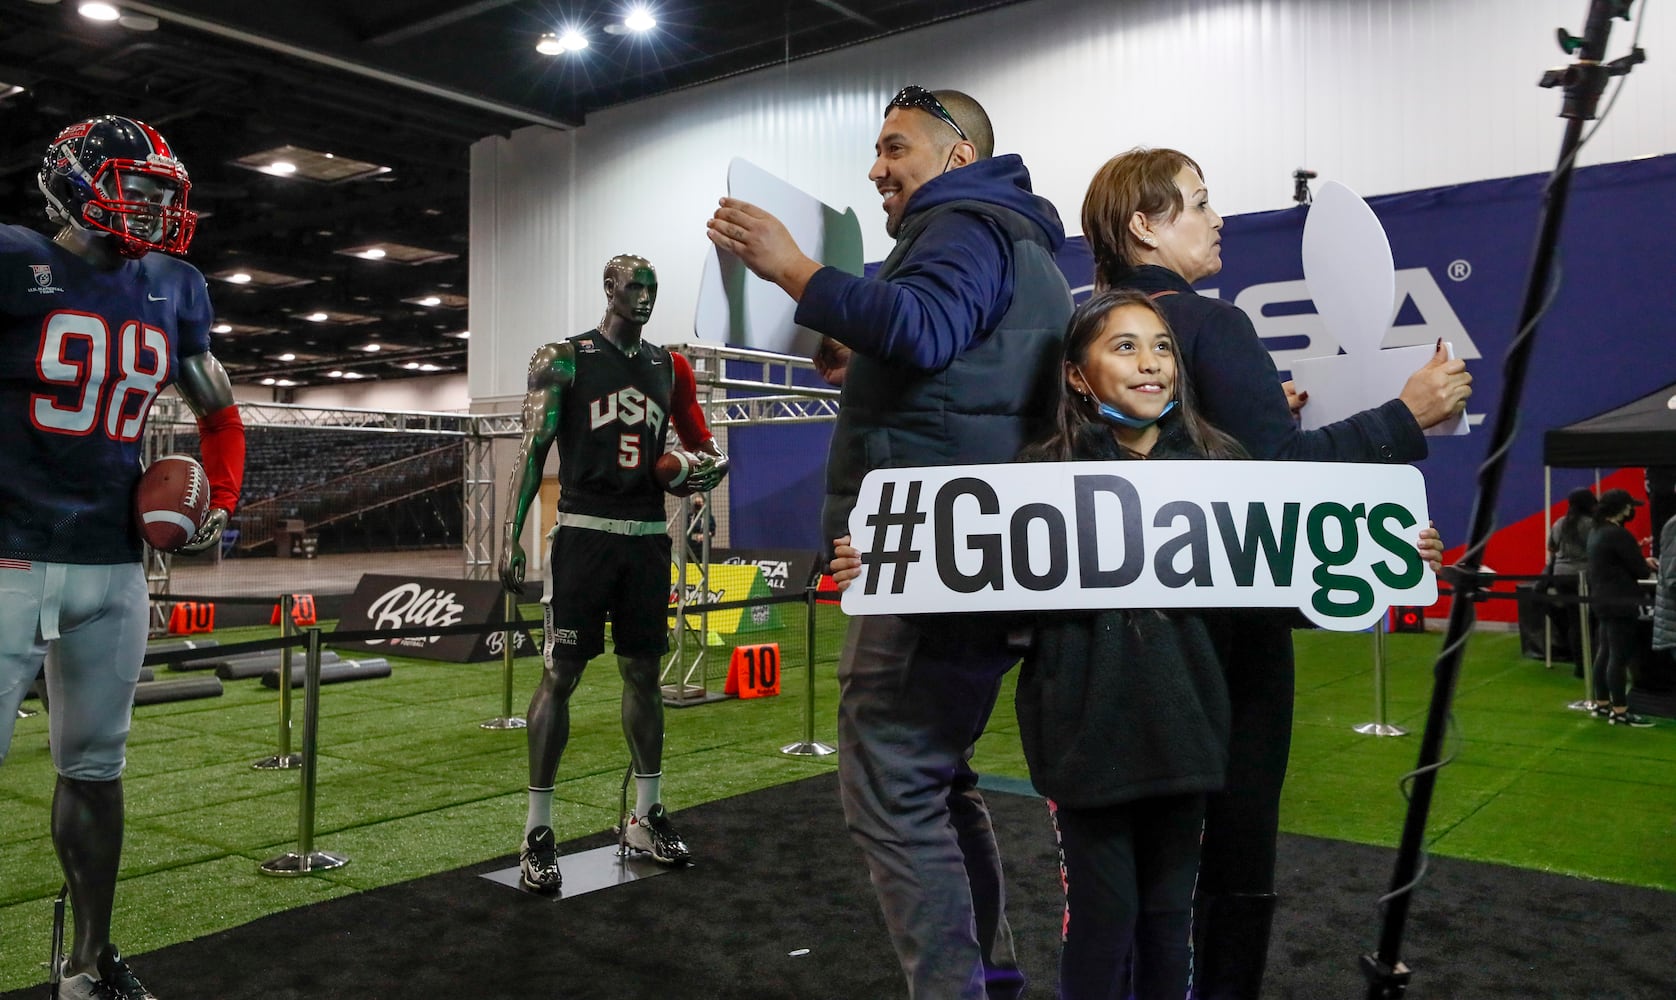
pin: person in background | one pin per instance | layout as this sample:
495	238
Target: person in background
1150	227
604	400
701	525
1664	607
1568	560
1615	570
94	323
953	344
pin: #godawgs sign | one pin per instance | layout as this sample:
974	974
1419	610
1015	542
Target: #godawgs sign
1336	541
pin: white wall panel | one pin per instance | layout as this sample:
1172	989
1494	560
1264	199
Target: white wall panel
1384	95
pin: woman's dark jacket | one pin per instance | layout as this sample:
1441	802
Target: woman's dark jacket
1615	571
1124	704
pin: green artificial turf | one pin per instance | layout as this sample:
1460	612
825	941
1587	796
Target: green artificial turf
409	784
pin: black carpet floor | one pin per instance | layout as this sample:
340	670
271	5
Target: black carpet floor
779	908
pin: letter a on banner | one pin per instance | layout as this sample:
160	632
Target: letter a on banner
754	671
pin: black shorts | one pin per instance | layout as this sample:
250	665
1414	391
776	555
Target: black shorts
595	573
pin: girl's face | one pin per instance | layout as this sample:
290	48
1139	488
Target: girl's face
1130	364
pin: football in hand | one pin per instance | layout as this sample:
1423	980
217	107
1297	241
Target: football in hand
672	469
171	501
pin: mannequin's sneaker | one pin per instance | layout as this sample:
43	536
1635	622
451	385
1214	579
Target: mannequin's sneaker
538	861
116	982
654	834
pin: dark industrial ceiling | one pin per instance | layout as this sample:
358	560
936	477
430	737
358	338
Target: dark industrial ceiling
405	85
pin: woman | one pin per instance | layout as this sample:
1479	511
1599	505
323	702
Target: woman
1568	559
1615	569
1149	224
1124	714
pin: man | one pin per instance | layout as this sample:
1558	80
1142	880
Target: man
607	398
954	348
93	325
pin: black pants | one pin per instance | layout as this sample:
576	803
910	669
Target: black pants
1129	872
1242	822
1620	658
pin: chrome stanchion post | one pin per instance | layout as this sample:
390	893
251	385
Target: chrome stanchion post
306	859
1379	727
506	720
285	760
809	747
1587	702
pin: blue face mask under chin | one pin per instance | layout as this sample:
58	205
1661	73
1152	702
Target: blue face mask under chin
1112	415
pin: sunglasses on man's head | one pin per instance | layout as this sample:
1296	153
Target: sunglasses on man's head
912	96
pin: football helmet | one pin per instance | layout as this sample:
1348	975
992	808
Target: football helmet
91	176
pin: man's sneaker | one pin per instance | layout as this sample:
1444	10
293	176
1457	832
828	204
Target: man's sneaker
1630	719
116	982
538	862
654	834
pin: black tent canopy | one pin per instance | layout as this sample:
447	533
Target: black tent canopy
1640	433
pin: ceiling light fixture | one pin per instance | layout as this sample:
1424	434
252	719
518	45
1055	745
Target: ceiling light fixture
317	317
412	366
282	168
549	44
430	300
428	367
287	356
373	253
138	22
222	328
240	278
269	380
640	19
353	375
573	40
373	348
334	374
99	11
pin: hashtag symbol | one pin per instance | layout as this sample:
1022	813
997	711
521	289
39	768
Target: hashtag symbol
904	523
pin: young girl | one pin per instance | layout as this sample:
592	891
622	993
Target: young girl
1124	713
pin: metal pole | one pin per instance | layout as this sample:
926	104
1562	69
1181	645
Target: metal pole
306	859
809	747
509	612
1587	702
1584	82
285	760
1379	727
1548	533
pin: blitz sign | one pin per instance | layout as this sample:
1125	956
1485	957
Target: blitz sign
1336	541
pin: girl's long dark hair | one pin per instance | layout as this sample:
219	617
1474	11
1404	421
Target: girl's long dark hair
1079	432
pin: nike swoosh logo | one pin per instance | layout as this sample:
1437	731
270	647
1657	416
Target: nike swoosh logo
156	298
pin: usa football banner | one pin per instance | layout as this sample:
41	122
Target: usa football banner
1335	541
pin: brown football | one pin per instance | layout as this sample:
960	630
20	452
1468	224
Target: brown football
671	471
171	501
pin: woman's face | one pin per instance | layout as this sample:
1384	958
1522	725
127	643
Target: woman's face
1130	364
1191	243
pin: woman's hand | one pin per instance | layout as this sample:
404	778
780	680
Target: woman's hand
1430	545
846	563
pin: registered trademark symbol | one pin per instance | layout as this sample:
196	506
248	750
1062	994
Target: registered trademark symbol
1459	270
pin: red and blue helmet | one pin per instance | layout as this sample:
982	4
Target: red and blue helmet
118	178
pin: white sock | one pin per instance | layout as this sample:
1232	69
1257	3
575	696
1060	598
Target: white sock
648	792
541	810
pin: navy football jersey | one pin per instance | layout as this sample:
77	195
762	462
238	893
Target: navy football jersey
612	423
83	352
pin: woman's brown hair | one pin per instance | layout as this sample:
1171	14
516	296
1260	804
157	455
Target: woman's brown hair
1141	180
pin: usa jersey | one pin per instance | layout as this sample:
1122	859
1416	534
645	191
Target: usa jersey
83	352
612	423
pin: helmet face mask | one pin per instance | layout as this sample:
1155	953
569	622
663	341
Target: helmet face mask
117	178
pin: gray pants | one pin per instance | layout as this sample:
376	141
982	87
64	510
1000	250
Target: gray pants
915	695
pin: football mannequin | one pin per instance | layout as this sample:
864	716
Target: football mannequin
604	399
93	325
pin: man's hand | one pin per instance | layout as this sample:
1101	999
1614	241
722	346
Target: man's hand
846	563
1295	399
762	243
512	567
832	361
208	534
1438	391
